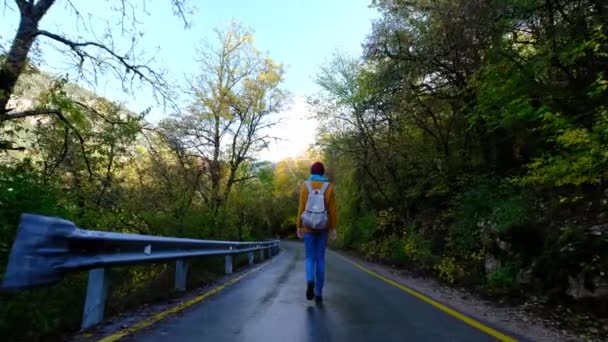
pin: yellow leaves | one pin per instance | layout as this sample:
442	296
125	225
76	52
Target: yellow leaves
376	249
247	38
598	41
237	76
447	269
386	219
238	41
409	247
524	43
572	170
269	63
600	86
268	77
439	188
572	137
414	246
141	150
271	73
289	174
477	257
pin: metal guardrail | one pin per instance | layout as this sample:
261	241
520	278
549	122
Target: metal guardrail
46	248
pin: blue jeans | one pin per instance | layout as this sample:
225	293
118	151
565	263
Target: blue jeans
315	244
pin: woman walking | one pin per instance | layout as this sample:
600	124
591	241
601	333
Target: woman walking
316	223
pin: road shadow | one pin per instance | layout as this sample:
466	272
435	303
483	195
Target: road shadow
316	323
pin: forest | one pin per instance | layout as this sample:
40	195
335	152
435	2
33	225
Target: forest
469	143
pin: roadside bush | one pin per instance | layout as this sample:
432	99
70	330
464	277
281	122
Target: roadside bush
38	314
396	252
473	206
136	285
489	209
502	280
447	269
362	230
376	249
42	314
571	252
416	248
23	191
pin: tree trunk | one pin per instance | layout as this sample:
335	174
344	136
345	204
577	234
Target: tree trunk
216	175
16	59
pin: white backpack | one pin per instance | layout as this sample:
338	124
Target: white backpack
315	214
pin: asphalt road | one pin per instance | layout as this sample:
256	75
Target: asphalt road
270	305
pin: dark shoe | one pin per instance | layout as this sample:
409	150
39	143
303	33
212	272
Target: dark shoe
319	299
310	290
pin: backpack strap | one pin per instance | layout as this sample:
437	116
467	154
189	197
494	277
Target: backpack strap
324	187
322	190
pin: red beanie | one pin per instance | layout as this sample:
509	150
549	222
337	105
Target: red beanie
317	169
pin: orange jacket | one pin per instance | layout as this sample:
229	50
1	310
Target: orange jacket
330	205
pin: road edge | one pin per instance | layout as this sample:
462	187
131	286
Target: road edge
514	320
466	318
168	310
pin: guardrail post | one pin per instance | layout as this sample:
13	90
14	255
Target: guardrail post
250	257
262	255
95	303
181	275
229	264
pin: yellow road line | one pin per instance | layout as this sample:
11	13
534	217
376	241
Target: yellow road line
159	316
468	320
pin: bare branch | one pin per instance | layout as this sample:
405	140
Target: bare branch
64	152
20	148
179	10
242	179
59	115
125	64
79	17
33	112
8	146
96	112
81	139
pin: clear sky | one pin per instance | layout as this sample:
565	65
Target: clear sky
301	34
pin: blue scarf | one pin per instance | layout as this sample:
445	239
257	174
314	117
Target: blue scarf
318	178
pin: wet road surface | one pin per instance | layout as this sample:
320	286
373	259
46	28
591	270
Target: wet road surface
270	305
